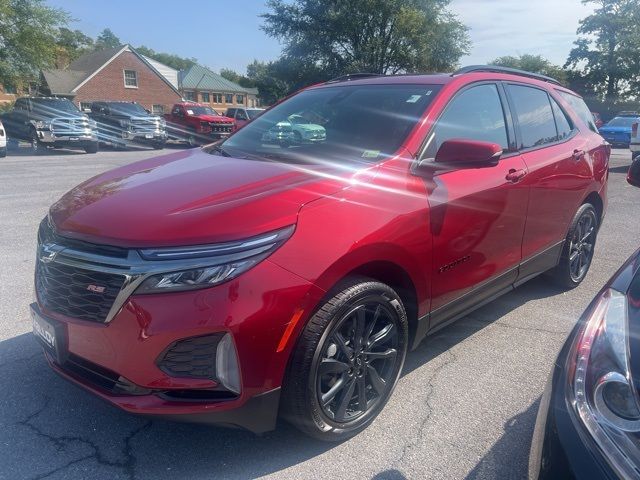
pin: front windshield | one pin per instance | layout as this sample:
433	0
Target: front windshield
200	110
622	122
340	123
254	113
54	106
127	108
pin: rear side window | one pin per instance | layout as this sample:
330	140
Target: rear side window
533	110
563	124
474	114
580	108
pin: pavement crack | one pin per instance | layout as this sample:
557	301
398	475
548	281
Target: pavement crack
451	358
61	442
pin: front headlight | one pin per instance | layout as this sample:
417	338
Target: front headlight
43	125
124	123
203	266
602	390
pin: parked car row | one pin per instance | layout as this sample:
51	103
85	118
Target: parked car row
52	122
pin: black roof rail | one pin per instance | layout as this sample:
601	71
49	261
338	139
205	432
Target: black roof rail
509	70
354	76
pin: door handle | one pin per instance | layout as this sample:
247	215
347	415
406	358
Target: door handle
578	154
515	175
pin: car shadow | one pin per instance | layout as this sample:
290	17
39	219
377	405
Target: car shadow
51	426
620	168
509	456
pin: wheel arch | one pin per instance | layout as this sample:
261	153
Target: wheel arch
594	199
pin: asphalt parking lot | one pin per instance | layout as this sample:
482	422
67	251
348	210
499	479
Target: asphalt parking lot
464	408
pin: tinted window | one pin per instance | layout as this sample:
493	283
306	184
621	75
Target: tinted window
580	108
534	114
474	114
341	123
563	124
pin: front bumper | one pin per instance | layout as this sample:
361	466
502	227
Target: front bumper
145	136
255	308
51	138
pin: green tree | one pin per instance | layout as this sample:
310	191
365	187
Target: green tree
71	44
605	57
28	34
379	36
235	77
275	80
107	39
534	64
170	59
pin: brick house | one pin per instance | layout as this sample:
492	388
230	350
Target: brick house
113	74
199	84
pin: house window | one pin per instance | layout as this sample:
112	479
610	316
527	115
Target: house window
240	99
190	96
217	97
130	79
228	98
85	106
205	97
157	109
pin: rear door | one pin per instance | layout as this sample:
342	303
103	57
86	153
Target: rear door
477	214
559	172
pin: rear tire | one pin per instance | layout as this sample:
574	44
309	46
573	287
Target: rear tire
347	361
578	249
3	152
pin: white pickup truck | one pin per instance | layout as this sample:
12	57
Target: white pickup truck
634	145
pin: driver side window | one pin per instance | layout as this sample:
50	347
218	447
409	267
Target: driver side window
474	114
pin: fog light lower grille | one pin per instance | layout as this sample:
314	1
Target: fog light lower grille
193	357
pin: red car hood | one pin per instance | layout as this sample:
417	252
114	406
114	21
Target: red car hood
189	198
214	118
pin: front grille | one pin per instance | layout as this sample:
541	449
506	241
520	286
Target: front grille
144	125
76	292
221	128
193	357
70	126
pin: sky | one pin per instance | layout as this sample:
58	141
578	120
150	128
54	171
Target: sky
226	33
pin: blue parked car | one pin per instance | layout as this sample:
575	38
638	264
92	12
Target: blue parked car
618	130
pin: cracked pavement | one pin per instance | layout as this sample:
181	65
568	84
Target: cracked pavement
464	408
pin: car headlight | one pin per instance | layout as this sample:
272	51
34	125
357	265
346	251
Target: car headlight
42	125
210	265
124	123
602	390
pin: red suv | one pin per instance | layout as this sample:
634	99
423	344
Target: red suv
264	275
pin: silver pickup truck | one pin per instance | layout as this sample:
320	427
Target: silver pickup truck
50	122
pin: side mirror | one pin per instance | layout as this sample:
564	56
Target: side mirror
460	150
633	177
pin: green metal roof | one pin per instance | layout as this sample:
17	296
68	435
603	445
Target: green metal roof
198	77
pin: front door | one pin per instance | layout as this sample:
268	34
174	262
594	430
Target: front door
477	214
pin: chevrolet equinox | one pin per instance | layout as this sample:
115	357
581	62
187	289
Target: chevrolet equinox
274	274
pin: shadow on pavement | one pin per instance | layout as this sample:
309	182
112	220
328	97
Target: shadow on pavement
508	458
51	428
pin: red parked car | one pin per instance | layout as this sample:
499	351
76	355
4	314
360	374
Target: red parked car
260	276
197	124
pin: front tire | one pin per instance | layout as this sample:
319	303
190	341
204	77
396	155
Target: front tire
91	147
347	361
578	249
35	145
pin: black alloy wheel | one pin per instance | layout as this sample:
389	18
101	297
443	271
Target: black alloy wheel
582	244
356	366
347	360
